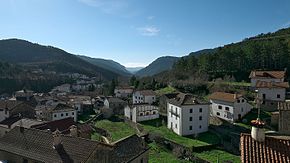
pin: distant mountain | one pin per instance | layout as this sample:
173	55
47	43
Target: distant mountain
108	65
133	70
48	58
157	66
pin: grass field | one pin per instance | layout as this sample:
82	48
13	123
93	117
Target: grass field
155	126
158	154
253	115
215	154
165	90
118	130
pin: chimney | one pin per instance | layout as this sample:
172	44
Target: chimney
235	95
73	131
56	138
254	73
257	131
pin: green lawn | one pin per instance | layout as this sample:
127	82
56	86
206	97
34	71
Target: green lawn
165	90
118	130
155	126
158	154
253	115
216	154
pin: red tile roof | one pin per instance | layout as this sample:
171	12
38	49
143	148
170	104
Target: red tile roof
62	125
228	97
264	84
273	150
267	74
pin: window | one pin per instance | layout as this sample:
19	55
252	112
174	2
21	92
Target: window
25	161
54	115
6	111
272	103
200	118
1	110
227	108
218	113
200	126
73	113
242	109
152	98
141	161
175	125
238	101
140	114
220	107
190	110
243	100
176	110
278	96
66	114
190	127
190	118
61	114
200	110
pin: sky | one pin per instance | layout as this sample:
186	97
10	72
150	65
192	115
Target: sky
136	32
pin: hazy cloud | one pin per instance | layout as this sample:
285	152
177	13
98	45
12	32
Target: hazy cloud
150	17
286	25
149	31
107	6
135	64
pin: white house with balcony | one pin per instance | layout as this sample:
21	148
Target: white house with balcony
141	112
187	115
270	93
228	106
266	76
144	96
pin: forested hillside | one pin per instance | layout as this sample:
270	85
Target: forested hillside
266	51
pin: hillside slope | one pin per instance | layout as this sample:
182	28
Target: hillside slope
48	58
107	64
157	66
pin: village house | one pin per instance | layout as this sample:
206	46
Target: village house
266	76
270	93
115	104
24	95
33	145
83	104
123	92
187	115
9	108
228	106
284	118
141	112
163	100
144	96
16	120
59	111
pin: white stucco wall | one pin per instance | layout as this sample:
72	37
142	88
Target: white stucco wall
271	94
183	121
66	114
241	107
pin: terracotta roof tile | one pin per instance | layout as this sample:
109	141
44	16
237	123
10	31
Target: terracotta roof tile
267	74
273	150
264	84
228	97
